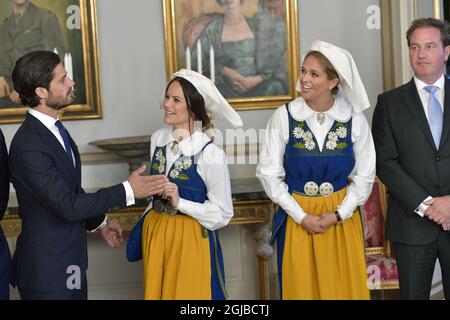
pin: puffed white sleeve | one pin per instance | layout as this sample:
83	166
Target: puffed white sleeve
270	170
217	211
363	174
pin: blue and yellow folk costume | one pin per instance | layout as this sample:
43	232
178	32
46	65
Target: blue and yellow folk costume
182	259
319	161
328	265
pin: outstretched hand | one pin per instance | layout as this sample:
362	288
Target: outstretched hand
146	186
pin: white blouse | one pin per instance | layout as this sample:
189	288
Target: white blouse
270	170
217	211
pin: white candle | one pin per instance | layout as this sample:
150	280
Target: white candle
212	66
199	57
66	63
70	66
188	58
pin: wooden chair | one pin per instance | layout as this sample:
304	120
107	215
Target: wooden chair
378	251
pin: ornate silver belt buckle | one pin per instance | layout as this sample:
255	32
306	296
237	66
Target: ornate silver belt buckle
326	189
171	210
311	188
158	206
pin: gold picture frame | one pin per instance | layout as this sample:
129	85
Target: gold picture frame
188	21
72	28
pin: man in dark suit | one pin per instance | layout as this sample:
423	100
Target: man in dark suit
50	260
411	130
5	258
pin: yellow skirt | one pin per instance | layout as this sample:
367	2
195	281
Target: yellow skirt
330	265
176	258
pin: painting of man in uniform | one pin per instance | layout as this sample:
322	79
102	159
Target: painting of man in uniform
34	25
239	44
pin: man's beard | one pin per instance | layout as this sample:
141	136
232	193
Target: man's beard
59	104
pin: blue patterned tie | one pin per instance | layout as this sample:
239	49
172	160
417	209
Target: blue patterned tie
435	115
65	136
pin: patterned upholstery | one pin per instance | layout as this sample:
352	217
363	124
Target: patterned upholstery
378	253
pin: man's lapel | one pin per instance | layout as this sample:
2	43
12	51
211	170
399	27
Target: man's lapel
412	100
52	142
446	125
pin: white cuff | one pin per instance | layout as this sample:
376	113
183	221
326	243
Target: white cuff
101	226
422	208
347	208
129	193
292	208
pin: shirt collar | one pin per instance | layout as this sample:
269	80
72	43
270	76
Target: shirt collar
341	110
420	85
46	120
189	146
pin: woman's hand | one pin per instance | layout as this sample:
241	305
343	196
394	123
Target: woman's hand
312	224
171	193
327	220
235	79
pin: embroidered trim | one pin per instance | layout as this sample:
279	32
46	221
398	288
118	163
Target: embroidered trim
178	167
300	134
334	137
159	166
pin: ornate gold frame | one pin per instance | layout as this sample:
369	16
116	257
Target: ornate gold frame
93	108
253	103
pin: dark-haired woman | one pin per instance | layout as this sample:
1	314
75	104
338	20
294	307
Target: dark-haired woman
181	248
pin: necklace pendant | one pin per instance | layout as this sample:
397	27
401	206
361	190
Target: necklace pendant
321	118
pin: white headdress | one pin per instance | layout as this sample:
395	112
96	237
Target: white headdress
215	103
351	86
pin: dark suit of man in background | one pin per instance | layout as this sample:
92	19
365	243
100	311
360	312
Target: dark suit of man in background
50	260
5	258
411	130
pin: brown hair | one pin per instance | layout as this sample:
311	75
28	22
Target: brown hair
31	71
442	26
194	101
327	65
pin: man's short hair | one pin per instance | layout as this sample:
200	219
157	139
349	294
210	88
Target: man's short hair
34	70
442	26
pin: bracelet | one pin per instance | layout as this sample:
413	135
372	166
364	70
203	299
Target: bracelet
338	217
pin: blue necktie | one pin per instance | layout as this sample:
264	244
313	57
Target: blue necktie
435	115
65	136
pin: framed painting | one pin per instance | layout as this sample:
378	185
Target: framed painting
249	48
66	27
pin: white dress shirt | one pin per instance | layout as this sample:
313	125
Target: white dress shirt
49	122
424	98
217	211
270	170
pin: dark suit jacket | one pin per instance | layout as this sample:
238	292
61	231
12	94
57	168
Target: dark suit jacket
54	209
5	258
409	163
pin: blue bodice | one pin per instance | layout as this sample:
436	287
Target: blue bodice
304	162
183	173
